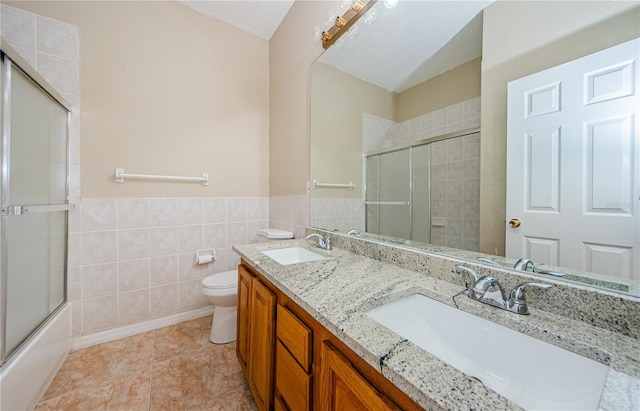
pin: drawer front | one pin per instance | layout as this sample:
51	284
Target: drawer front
296	336
293	385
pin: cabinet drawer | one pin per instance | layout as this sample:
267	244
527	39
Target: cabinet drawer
292	383
296	336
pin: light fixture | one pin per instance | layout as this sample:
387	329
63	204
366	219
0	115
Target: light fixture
343	23
390	3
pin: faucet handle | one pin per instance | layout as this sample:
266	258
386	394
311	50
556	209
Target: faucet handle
517	299
463	269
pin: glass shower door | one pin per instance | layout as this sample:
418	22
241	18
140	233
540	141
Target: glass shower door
34	206
388	201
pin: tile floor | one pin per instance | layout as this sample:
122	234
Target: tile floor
173	368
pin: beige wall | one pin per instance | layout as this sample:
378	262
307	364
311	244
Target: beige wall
522	38
166	90
451	87
339	100
292	49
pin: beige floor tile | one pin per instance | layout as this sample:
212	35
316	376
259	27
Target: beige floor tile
186	381
238	399
174	368
182	338
130	392
103	362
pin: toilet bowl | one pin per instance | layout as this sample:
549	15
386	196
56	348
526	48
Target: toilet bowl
221	290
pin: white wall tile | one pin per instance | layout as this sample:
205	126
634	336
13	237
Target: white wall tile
163	300
99	247
99	314
55	37
133	244
133	213
191	211
99	280
133	306
215	236
257	208
236	209
76	318
215	210
163	241
18	27
74	249
163	212
190	295
163	270
98	214
61	73
133	275
190	238
74	283
189	270
237	234
455	113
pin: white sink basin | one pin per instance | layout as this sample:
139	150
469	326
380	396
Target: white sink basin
532	373
292	255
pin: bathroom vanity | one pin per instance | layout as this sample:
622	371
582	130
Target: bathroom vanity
305	340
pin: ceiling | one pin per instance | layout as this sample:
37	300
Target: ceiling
258	17
411	43
401	47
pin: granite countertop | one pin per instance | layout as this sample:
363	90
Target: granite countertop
339	290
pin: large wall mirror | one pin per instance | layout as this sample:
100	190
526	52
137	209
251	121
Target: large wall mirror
408	120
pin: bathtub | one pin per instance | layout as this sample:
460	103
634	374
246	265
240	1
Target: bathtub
28	373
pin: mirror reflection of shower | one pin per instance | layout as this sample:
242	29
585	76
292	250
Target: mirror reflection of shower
428	192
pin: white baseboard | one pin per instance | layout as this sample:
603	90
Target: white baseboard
85	341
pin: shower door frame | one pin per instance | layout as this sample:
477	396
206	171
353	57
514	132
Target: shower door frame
12	61
426	141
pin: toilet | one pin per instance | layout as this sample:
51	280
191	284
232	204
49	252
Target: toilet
221	290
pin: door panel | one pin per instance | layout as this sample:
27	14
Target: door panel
573	164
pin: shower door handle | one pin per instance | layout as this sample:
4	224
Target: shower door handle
36	209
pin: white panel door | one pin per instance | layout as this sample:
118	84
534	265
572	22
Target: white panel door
573	164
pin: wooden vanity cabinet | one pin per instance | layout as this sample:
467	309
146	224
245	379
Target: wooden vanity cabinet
342	387
255	332
313	369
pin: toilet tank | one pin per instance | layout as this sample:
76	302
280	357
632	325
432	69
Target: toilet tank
273	234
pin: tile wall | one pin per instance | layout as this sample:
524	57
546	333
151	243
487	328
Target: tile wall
51	47
455	192
132	259
341	214
382	134
289	213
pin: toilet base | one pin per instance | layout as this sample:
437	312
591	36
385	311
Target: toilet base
223	325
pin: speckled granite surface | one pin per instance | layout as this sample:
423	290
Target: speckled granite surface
338	291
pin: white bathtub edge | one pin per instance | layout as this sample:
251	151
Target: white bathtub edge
27	375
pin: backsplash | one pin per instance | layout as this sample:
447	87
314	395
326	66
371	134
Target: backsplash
132	259
611	311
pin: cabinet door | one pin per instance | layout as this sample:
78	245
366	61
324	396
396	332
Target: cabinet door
343	388
242	329
261	341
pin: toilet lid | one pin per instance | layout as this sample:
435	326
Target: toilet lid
226	279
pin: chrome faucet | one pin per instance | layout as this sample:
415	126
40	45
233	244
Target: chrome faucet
353	231
488	290
323	242
523	264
